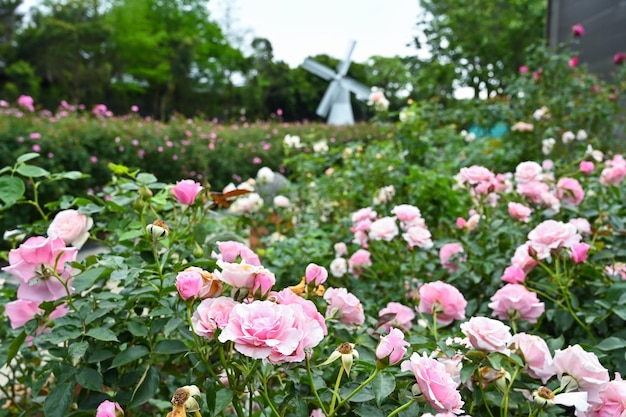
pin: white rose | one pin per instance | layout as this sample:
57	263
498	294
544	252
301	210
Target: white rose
71	226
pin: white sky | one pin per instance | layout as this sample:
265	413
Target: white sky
297	28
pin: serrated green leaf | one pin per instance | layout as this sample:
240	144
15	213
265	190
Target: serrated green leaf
383	385
86	279
27	157
147	387
169	347
102	333
32	171
129	355
11	190
59	400
173	324
77	351
131	234
137	329
90	379
101	355
611	343
467	371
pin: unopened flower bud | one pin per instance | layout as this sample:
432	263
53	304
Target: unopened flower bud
158	229
543	396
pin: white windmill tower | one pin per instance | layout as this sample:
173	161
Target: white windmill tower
336	101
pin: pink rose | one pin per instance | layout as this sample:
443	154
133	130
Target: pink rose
514	275
515	302
32	260
401	316
241	275
586	167
418	236
26	102
582	225
406	213
522	258
578	30
359	260
584	367
523	69
340	249
392	348
435	383
71	226
287	296
446	253
344	307
109	409
230	250
264	280
569	190
536	354
579	252
613	175
317	413
487	334
612	399
186	191
384	228
551	235
21	312
266	330
189	283
619	58
533	190
366	213
315	274
528	171
212	314
573	62
443	299
520	212
476	174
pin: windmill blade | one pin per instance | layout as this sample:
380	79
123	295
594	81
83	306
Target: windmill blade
327	100
342	68
360	90
320	70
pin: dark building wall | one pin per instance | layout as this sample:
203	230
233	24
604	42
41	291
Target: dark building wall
605	30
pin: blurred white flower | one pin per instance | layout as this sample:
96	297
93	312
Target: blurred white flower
292	141
384	194
547	145
265	176
406	115
281	201
320	146
595	154
338	267
581	135
248	203
568	137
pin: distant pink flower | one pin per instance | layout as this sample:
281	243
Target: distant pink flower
186	191
340	249
578	30
315	274
551	235
134	108
570	191
586	167
443	299
573	62
230	250
94	159
579	252
256	160
435	383
36	148
520	212
522	127
402	316
447	252
392	347
514	302
528	171
35	135
614	172
100	110
584	367
384	228
487	334
406	213
523	69
536	354
418	236
513	275
27	102
344	307
359	260
619	58
109	409
582	225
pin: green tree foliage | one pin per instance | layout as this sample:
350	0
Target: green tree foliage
484	39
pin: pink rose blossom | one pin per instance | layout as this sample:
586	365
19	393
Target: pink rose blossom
582	225
579	252
528	171
522	258
241	275
315	274
613	175
286	296
366	213
435	383
418	236
266	330
520	212
619	58
344	306
186	191
212	314
487	334
586	167
578	30
570	191
573	62
513	275
447	252
612	402
32	263
340	249
523	69
392	347
264	280
617	269
406	213
21	312
359	260
551	235
189	283
533	190
71	226
536	354
230	250
476	174
109	409
443	299
584	367
515	302
384	228
26	102
402	316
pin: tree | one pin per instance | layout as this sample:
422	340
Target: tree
484	39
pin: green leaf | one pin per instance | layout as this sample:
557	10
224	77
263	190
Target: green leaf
383	385
168	347
69	175
59	400
223	398
77	351
11	189
32	171
137	329
467	371
129	355
90	379
102	333
612	343
87	278
131	234
100	355
27	157
172	325
147	387
15	345
368	410
495	360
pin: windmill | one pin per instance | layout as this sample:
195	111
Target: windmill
336	101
